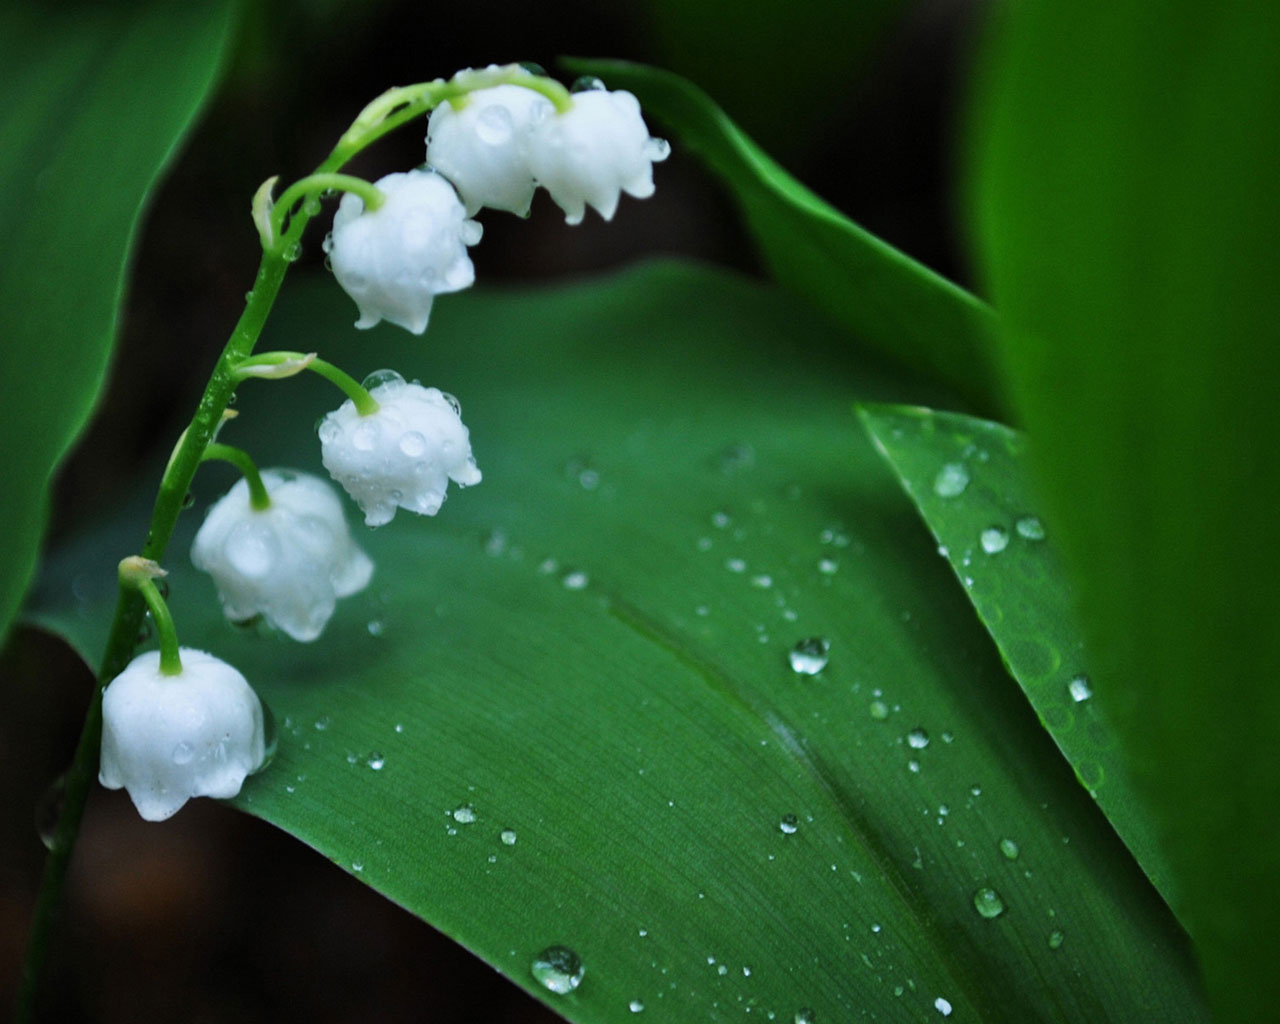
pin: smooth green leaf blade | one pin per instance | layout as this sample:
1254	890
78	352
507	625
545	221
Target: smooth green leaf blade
600	664
888	300
95	101
971	481
1128	223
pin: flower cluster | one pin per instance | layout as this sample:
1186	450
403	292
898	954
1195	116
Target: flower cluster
178	722
490	148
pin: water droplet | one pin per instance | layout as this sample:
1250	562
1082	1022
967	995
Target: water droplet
735	565
913	766
804	1016
587	83
657	149
380	377
951	480
746	972
879	710
365	437
375	627
188	500
322	723
1009	848
494	125
987	902
311	206
1030	527
762	582
465	814
575	580
293	252
49	810
1055	939
1080	689
183	753
413	444
809	656
917	739
720	520
828	566
994	539
357	866
942	1006
559	969
975	790
788	824
508	836
635	1006
375	761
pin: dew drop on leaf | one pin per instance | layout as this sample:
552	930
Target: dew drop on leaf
994	539
951	480
1030	527
988	903
917	739
809	656
1009	848
558	969
1080	689
788	824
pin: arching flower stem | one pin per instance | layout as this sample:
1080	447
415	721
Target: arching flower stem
265	366
140	574
259	499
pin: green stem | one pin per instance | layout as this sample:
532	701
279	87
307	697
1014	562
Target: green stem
170	659
259	500
314	184
365	403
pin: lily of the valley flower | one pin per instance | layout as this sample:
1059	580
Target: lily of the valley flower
593	152
484	147
289	562
403	455
167	738
394	260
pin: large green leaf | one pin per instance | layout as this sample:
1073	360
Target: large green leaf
971	481
891	302
591	650
95	100
1128	221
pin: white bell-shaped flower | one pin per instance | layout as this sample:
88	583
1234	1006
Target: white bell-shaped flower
168	738
484	147
288	563
403	455
394	260
593	152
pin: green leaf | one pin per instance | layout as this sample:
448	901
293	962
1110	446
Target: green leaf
599	663
95	101
970	479
1128	222
889	301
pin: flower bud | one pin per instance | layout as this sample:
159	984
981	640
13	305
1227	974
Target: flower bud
394	260
593	152
289	562
484	147
403	455
168	738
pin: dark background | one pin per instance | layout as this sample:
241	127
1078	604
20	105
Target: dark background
214	916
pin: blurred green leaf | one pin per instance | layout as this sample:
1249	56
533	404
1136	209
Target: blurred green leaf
591	649
806	56
970	479
1126	181
95	101
889	301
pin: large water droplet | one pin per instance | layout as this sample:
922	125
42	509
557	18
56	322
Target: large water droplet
804	1016
1009	848
988	903
951	480
508	837
376	761
994	539
1030	527
917	739
380	377
635	1006
942	1006
494	126
575	581
559	969
1080	689
809	656
587	83
788	824
465	814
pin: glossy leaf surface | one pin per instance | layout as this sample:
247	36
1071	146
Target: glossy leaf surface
970	479
591	649
95	100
